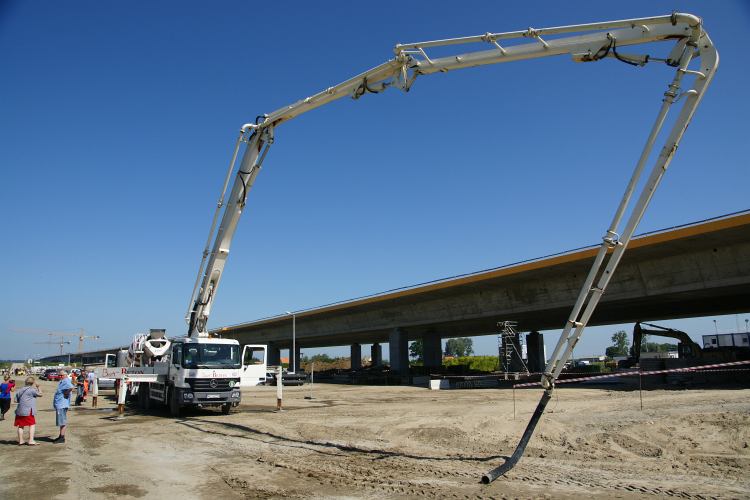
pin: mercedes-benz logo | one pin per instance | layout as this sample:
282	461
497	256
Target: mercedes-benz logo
213	383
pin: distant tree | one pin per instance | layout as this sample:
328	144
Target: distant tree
462	346
645	343
612	351
656	347
619	345
416	349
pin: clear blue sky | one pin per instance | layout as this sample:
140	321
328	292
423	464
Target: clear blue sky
118	121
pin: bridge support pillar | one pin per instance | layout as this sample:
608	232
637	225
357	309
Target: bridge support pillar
274	355
398	346
295	357
535	352
356	356
432	352
376	355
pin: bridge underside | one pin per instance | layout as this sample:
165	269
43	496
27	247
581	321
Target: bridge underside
698	270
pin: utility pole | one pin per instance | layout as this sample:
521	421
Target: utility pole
60	343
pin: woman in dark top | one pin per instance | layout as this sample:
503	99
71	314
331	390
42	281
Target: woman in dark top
26	410
5	389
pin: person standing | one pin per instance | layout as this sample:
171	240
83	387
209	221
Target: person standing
61	403
5	389
80	388
26	410
92	389
85	377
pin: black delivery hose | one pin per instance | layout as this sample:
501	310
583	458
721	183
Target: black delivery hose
513	460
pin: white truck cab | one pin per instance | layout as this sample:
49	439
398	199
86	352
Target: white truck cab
199	371
189	371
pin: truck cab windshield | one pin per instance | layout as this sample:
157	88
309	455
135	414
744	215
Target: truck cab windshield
210	356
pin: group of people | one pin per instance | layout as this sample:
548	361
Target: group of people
83	382
26	404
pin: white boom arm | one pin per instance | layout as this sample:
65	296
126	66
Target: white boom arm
587	42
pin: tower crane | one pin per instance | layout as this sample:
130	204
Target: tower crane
82	336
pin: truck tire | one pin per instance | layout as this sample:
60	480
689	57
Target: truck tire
174	405
226	408
146	388
142	396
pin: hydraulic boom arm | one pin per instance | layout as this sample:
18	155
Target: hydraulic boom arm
584	43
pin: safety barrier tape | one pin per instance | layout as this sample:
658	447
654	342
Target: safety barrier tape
721	371
634	373
436	376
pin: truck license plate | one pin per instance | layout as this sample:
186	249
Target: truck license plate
213	396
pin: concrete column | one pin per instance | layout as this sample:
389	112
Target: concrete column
398	346
535	351
297	358
433	352
356	356
274	355
376	353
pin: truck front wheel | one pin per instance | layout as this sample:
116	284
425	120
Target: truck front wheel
226	408
174	404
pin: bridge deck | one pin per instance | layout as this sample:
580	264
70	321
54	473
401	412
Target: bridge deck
693	270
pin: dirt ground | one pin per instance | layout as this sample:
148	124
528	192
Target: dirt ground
394	442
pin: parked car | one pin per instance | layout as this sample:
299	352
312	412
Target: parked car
50	374
287	378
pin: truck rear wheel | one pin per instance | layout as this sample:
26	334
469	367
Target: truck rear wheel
174	405
142	396
144	391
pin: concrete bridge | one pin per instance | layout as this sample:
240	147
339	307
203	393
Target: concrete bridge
85	358
694	270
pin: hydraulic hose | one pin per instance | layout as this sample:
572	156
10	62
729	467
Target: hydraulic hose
513	460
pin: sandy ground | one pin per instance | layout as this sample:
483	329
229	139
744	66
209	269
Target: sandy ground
395	442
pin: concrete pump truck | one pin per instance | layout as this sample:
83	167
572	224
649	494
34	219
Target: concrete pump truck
176	381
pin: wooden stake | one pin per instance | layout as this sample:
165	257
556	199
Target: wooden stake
640	386
279	377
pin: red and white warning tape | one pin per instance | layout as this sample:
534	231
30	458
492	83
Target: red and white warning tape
652	372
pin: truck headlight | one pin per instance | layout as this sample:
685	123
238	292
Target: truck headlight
187	395
236	394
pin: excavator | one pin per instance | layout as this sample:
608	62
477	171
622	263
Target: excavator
690	52
687	348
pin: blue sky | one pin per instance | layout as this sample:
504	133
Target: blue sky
118	121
